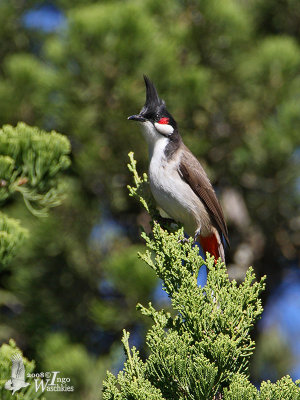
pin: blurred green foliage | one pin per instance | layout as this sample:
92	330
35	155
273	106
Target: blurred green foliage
75	362
229	72
11	237
29	163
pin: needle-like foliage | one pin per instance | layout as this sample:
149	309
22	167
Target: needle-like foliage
11	236
30	163
201	352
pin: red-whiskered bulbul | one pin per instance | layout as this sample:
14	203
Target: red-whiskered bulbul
178	182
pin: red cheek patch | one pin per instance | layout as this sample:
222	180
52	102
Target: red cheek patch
163	120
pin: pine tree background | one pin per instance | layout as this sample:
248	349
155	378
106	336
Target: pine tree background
229	72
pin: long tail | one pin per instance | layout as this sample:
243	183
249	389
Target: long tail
213	245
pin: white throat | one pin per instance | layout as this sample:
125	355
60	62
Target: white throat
156	142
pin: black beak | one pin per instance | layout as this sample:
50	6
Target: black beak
138	118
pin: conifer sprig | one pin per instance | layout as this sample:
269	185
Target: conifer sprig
140	190
11	237
30	162
201	353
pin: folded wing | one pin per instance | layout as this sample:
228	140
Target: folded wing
192	172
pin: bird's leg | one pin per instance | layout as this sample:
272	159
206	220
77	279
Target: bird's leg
197	234
183	240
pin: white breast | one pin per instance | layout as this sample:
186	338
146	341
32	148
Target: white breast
172	194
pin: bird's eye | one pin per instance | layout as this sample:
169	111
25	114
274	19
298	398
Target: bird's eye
163	121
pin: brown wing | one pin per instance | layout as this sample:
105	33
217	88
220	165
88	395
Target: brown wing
192	172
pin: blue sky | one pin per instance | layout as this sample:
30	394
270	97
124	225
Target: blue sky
46	18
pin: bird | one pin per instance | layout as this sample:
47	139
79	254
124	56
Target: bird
17	380
178	182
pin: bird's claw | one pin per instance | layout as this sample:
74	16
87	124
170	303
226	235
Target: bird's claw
183	240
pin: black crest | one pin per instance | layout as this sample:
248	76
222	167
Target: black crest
153	101
152	98
155	107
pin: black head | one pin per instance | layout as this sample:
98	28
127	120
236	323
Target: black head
154	109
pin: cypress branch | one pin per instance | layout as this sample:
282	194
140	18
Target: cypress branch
30	162
11	237
203	351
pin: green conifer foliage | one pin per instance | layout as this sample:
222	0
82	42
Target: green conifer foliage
201	351
11	236
30	162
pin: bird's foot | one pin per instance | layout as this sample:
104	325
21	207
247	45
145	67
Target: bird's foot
183	240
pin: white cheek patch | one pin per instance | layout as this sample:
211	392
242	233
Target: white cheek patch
164	129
